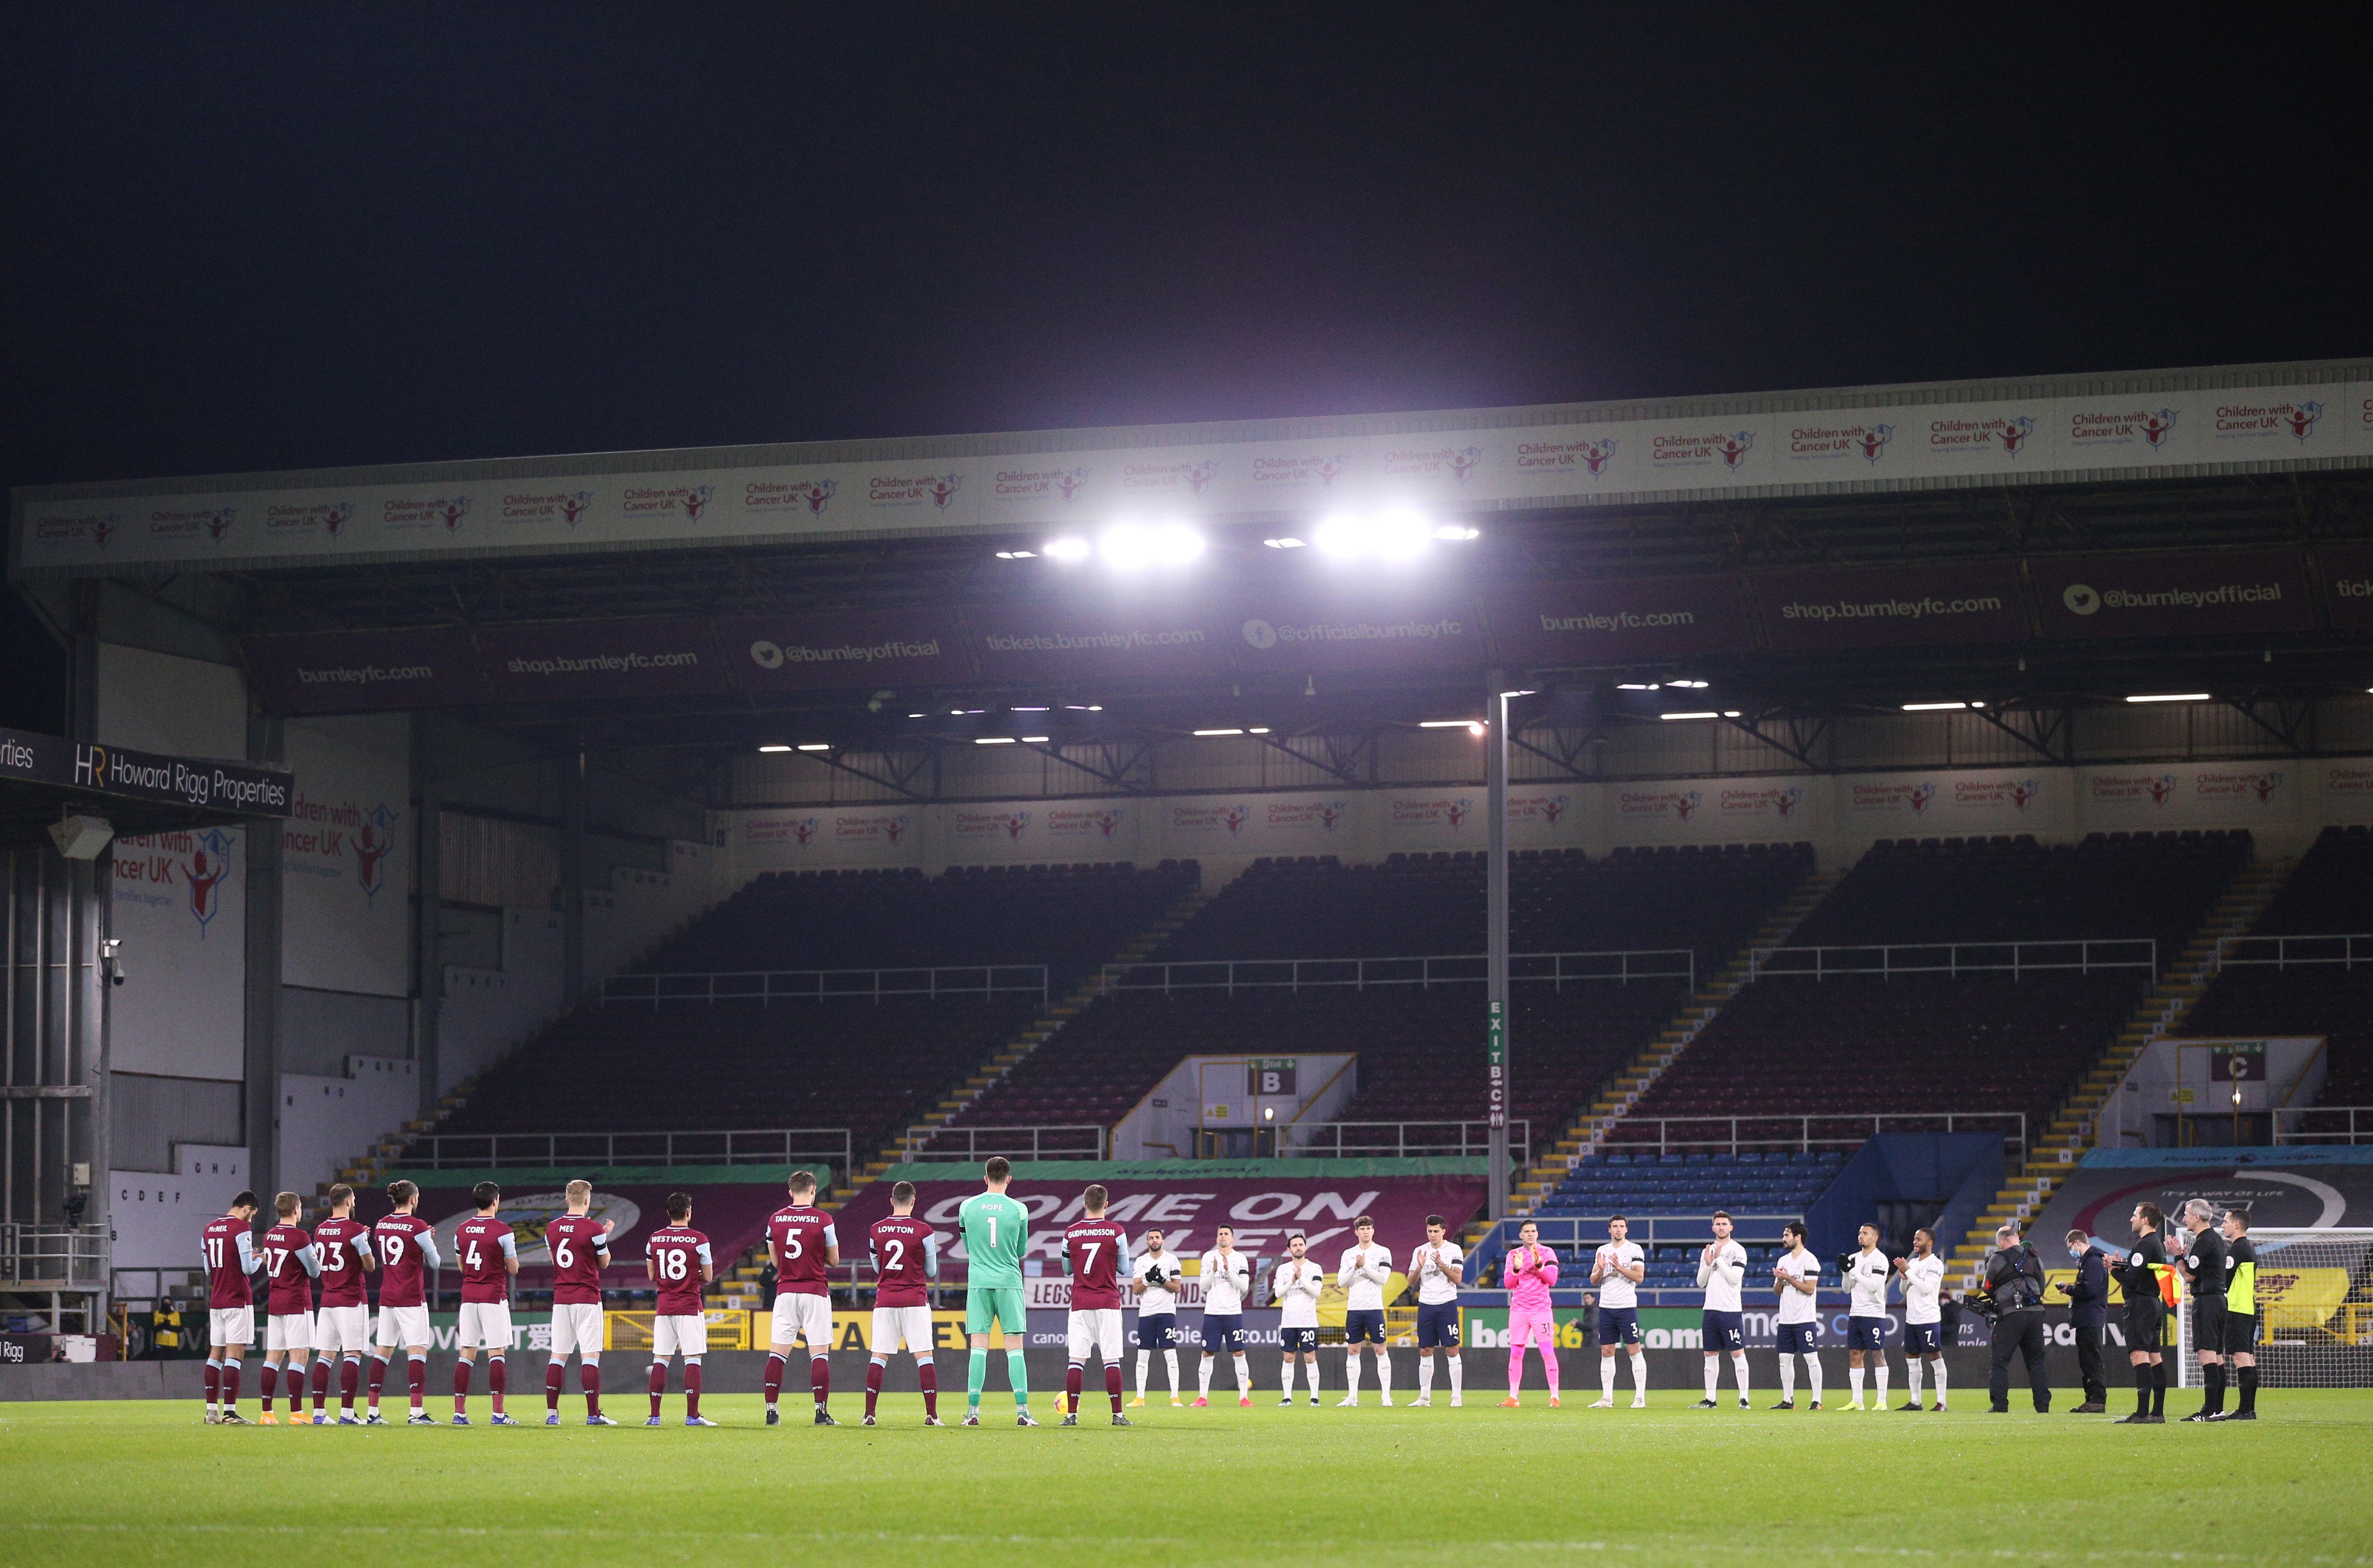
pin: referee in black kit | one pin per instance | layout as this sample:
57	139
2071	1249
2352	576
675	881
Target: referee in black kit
2204	1282
2138	1281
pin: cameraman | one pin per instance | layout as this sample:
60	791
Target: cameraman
2089	1316
2014	1303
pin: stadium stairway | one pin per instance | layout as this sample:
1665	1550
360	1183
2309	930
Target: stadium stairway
2074	1126
1590	1129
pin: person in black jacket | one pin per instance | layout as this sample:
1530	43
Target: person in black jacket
2138	1282
2088	1316
2014	1287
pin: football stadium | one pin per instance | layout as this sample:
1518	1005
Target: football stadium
1047	785
1718	925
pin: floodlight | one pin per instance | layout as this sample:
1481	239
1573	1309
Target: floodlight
1934	706
1219	731
1069	548
817	746
2173	696
774	748
1285	542
992	739
1035	739
1691	715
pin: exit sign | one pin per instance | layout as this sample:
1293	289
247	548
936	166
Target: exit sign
1271	1075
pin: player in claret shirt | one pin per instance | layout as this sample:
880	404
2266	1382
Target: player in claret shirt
227	1251
906	1260
678	1261
342	1328
1093	1248
489	1257
802	1244
290	1264
580	1250
406	1246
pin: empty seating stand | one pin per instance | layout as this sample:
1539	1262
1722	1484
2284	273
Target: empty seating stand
688	1064
2329	893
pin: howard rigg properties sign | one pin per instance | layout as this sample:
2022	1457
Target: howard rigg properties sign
145	776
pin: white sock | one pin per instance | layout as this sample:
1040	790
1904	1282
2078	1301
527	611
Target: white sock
1425	1377
1738	1366
1170	1360
1243	1374
1714	1376
1813	1371
1607	1378
1911	1375
1352	1372
1853	1375
1289	1377
1939	1367
1384	1371
1882	1382
1457	1372
1203	1377
1787	1377
1640	1372
1144	1360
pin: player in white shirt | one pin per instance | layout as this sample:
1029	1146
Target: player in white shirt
1297	1282
1617	1269
1722	1272
1923	1289
1227	1278
1366	1270
1155	1276
1866	1273
1797	1276
1437	1267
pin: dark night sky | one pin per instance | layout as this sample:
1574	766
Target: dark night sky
262	237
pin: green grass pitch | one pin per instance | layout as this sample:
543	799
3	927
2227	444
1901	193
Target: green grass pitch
124	1482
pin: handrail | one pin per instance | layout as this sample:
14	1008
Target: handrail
1408	1140
767	986
52	1256
1233	975
1765	1133
1076	1142
769	1146
1956	958
2352	950
2359	1130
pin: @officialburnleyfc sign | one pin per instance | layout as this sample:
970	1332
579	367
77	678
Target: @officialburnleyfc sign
145	776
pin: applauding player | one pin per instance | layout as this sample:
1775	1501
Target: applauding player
1093	1248
1722	1271
580	1250
1156	1275
1866	1272
1617	1269
290	1265
1437	1267
406	1246
1531	1270
802	1244
227	1250
906	1260
1297	1282
1797	1276
678	1261
342	1328
488	1254
1923	1315
1227	1279
1365	1271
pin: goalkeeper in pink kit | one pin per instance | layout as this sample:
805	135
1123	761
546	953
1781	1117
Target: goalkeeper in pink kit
1530	1271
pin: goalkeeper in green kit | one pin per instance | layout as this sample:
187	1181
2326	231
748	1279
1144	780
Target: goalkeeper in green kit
996	1232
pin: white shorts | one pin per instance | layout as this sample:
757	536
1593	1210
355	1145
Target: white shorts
797	1315
893	1324
576	1328
483	1325
230	1325
405	1326
685	1335
1097	1328
342	1328
288	1331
